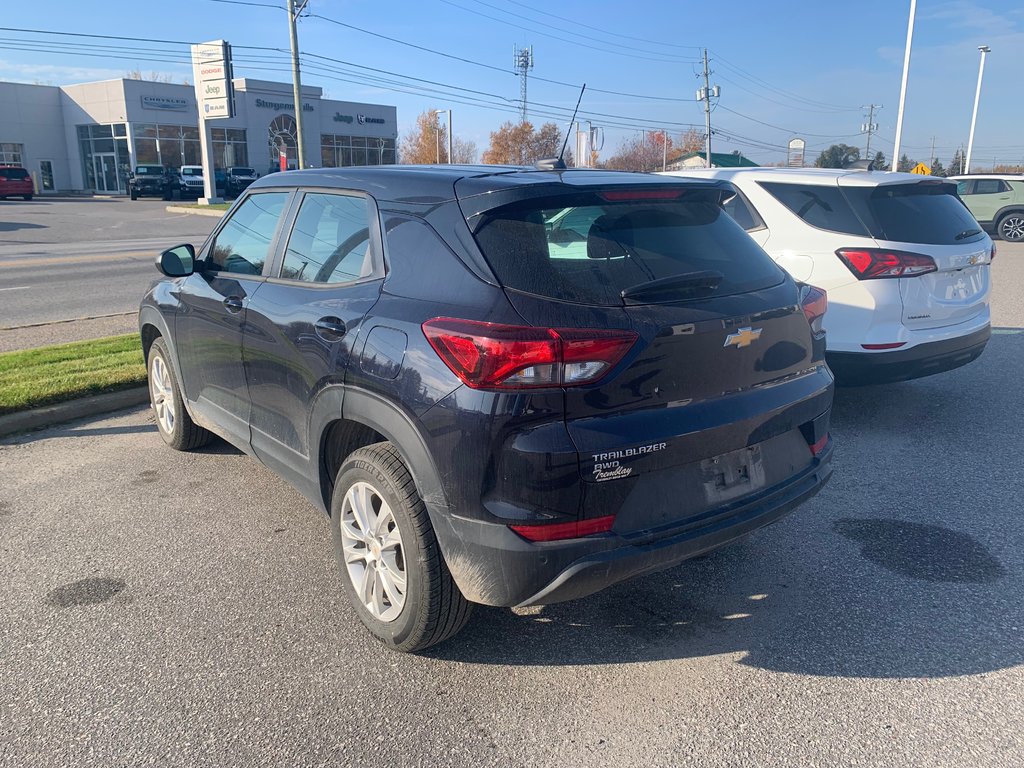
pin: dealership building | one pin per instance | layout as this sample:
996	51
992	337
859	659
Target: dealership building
88	137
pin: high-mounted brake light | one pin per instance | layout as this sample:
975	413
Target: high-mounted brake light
877	263
618	195
814	302
496	356
561	531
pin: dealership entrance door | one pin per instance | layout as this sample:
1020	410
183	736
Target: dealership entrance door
105	172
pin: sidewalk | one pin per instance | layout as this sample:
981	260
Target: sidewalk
82	329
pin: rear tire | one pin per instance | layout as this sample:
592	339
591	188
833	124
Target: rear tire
1011	227
133	195
28	197
172	420
388	557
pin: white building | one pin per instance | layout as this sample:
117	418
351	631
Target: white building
87	137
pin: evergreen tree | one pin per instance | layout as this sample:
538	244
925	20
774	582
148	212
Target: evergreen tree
938	169
905	164
879	161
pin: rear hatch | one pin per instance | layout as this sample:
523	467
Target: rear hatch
928	219
15	181
717	398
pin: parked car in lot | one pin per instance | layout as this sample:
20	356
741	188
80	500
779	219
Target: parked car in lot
996	201
905	265
15	182
237	179
151	180
486	416
191	181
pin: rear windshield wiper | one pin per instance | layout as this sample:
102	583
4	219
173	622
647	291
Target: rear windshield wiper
967	233
688	285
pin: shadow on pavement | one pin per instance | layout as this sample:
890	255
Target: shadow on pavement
11	226
907	565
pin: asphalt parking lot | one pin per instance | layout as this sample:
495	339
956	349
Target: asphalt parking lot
182	610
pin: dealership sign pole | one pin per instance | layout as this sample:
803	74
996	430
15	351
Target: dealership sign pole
211	66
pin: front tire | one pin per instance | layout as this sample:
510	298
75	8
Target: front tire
172	420
133	195
388	557
1011	227
28	197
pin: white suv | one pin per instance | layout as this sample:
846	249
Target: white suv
905	265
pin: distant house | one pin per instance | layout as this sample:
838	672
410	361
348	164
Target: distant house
718	160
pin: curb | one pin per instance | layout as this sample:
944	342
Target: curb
94	405
195	211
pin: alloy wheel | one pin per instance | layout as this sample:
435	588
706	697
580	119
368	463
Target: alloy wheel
374	556
1012	228
162	394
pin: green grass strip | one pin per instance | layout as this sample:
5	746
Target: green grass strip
35	377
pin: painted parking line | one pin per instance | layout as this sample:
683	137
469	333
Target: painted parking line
17	288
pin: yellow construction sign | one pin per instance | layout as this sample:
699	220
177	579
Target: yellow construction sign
921	170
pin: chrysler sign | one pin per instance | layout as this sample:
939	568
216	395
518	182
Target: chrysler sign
164	103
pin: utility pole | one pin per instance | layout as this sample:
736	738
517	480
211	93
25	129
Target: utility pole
293	16
870	127
977	97
903	87
523	59
931	160
704	94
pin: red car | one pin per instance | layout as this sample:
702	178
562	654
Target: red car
15	181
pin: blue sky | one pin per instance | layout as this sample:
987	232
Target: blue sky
786	69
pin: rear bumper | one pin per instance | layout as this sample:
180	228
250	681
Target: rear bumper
494	566
856	369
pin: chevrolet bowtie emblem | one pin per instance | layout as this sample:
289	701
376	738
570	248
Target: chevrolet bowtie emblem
744	337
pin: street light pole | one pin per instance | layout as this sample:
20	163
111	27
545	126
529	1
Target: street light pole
293	15
977	97
903	87
437	134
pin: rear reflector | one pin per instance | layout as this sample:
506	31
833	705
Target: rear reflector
560	531
992	257
814	302
878	263
614	196
496	356
893	345
819	446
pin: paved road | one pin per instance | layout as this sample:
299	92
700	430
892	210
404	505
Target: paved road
183	610
76	258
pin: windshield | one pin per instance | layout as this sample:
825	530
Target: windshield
243	171
191	171
588	248
149	170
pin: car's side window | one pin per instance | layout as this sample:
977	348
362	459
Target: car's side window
742	212
821	206
963	188
989	187
243	245
330	242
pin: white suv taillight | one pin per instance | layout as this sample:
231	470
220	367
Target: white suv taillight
814	302
497	356
878	263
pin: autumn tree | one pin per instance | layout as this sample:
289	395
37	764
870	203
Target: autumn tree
520	144
427	143
837	156
689	141
463	151
642	153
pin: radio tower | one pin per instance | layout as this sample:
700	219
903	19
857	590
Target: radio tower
523	58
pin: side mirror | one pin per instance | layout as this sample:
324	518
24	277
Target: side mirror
179	261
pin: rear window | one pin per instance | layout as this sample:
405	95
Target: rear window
14	174
587	248
926	213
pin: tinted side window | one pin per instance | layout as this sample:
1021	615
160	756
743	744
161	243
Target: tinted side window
243	245
330	242
823	207
989	187
742	212
964	188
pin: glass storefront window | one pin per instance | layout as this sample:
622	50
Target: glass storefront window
11	154
144	130
342	151
120	130
146	152
100	131
169	132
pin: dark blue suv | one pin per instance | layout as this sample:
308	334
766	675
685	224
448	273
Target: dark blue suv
504	385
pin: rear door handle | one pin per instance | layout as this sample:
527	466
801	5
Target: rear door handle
233	304
330	328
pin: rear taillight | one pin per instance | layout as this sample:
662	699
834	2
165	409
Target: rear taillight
992	256
814	302
495	356
818	447
560	531
878	263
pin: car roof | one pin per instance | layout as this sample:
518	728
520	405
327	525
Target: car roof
433	183
1003	176
820	176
